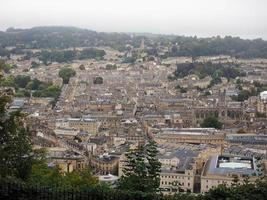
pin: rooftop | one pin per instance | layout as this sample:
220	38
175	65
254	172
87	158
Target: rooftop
224	165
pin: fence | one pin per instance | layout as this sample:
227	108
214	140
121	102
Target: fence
17	191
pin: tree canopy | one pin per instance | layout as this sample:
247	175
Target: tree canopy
66	37
66	73
16	154
211	122
202	70
142	169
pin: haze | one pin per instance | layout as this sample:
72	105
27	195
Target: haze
244	18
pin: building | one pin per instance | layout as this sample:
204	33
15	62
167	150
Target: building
190	135
263	96
225	169
247	139
262	103
105	164
177	171
85	124
66	161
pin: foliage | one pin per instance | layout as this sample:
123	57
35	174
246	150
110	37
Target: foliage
98	80
34	64
22	80
111	66
261	115
6	67
69	55
66	73
22	93
44	175
66	37
129	60
259	87
142	169
13	190
91	53
16	154
244	95
24	85
50	91
207	93
181	89
211	122
8	81
61	38
234	46
216	71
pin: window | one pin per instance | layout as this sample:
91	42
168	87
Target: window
188	184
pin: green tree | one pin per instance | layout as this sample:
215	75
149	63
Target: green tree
8	81
80	179
66	73
22	80
142	169
111	66
42	174
34	84
98	80
211	122
154	166
16	154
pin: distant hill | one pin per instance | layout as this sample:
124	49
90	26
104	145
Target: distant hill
65	37
59	37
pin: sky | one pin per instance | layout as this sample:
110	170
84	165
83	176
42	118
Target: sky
203	18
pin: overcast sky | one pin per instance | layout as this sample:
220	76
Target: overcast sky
244	18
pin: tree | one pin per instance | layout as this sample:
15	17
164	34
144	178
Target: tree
16	154
235	180
44	175
142	169
211	122
34	84
111	66
22	80
82	67
134	177
66	73
8	81
154	166
98	80
130	60
51	176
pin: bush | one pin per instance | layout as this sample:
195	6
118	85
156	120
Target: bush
211	122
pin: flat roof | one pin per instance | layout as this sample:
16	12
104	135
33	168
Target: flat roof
227	164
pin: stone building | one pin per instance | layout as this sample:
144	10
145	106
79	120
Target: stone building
227	169
190	135
105	164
